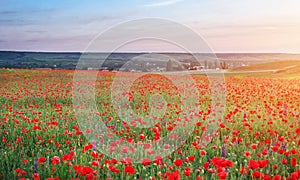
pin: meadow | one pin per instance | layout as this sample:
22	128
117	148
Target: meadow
40	138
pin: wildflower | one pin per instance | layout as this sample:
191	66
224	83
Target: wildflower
55	160
129	170
178	162
256	174
223	151
41	160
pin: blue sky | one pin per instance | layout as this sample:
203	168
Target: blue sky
226	25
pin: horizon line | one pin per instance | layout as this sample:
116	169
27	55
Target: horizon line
148	52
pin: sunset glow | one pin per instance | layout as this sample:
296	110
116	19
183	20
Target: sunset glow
227	26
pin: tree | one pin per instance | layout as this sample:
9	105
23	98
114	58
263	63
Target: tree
169	66
224	65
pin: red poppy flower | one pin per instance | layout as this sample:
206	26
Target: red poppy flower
222	175
206	165
256	174
253	146
94	154
113	169
284	161
25	161
191	158
146	162
277	177
294	162
253	164
178	162
41	160
142	136
202	152
129	170
187	172
95	163
36	176
55	160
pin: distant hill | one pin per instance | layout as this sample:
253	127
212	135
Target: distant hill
115	61
289	67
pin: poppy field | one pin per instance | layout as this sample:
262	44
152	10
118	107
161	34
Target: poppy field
40	137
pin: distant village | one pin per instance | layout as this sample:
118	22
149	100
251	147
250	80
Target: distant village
170	66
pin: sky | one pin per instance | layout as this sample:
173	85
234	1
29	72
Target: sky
225	25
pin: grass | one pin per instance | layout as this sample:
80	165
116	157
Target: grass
287	67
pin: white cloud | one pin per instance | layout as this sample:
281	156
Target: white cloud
163	3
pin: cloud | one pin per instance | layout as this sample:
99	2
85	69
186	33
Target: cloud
25	11
62	38
22	17
89	19
15	22
163	3
8	12
242	26
35	31
245	27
